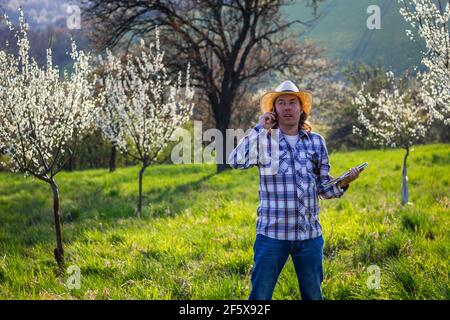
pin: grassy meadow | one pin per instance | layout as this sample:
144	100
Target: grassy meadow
195	237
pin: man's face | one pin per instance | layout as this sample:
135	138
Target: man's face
288	109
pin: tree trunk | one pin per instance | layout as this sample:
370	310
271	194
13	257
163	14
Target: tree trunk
141	174
222	164
112	159
405	179
70	164
222	118
59	251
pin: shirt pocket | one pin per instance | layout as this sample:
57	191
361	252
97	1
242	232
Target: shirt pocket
312	163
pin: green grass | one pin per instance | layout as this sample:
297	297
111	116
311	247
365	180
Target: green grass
195	237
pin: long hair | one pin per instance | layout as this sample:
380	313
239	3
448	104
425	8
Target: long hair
303	123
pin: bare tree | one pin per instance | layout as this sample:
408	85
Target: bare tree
219	38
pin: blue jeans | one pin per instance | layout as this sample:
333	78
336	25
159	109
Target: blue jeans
270	257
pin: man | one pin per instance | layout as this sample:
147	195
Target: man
288	222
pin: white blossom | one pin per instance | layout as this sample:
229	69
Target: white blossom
41	112
391	117
143	107
431	21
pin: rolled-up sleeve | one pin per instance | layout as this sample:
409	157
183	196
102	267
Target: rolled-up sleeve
245	155
332	191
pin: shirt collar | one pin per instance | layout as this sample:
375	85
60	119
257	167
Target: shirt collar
302	133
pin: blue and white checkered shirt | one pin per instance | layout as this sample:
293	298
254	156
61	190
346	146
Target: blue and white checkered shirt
288	197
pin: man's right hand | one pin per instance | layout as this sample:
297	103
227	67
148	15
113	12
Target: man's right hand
267	120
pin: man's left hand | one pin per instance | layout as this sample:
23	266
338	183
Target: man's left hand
354	173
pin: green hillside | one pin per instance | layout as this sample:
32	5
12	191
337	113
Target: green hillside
195	238
342	29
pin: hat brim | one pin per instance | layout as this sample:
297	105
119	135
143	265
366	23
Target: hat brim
267	100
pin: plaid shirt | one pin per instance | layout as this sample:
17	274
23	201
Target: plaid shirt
288	198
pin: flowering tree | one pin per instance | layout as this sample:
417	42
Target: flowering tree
108	119
393	117
430	18
143	106
42	114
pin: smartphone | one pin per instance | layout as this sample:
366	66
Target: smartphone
275	126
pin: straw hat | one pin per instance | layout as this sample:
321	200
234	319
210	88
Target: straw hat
287	87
